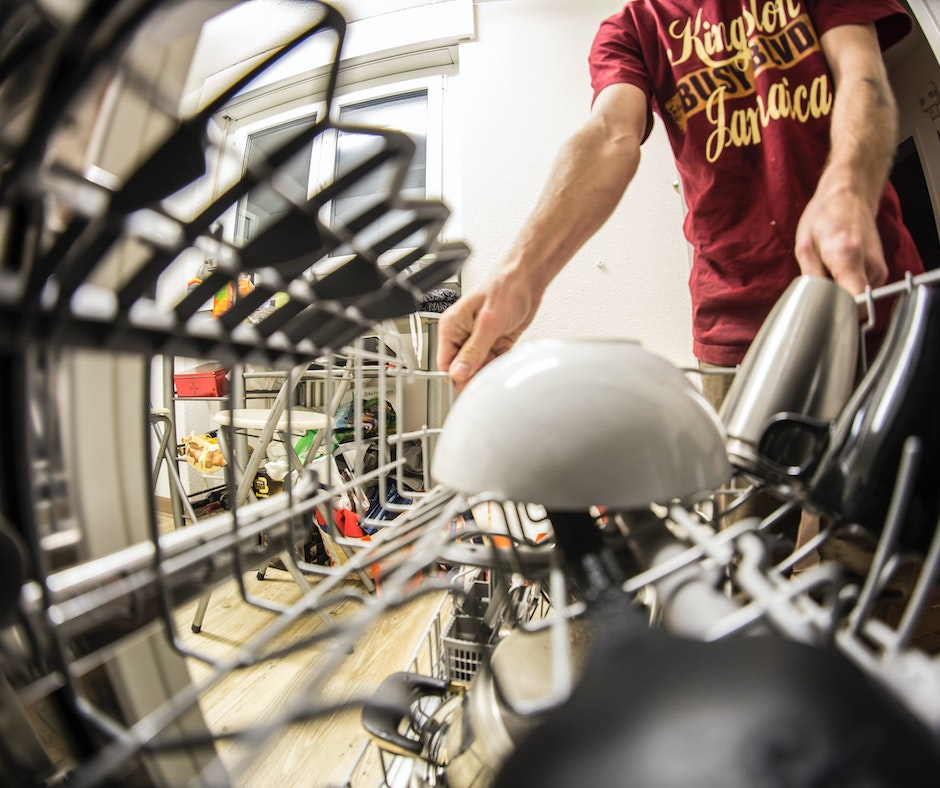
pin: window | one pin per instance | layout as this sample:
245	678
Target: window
406	113
412	107
264	205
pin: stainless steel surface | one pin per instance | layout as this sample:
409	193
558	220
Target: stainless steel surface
504	701
803	360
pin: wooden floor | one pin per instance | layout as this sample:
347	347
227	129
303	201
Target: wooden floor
324	752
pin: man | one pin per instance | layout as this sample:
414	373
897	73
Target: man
783	125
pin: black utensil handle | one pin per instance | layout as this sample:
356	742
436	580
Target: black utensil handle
788	432
391	705
591	562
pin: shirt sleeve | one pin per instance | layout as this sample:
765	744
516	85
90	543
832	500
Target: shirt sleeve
616	58
891	21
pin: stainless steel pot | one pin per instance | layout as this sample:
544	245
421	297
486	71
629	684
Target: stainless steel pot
853	468
469	737
505	700
803	360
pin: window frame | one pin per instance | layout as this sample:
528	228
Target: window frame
238	133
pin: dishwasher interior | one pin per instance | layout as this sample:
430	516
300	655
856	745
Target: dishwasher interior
600	610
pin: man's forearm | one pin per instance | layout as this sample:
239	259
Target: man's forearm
864	120
588	179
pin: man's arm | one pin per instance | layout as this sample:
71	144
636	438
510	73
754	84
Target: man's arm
588	179
837	232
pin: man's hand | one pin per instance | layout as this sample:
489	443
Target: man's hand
483	325
837	236
587	180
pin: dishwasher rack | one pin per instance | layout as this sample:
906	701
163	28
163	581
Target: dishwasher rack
696	576
97	687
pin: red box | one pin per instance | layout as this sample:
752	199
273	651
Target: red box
206	381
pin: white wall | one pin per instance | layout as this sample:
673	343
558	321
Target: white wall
523	87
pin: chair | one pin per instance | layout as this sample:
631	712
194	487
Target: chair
162	427
276	422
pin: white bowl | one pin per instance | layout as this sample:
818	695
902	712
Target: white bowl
575	423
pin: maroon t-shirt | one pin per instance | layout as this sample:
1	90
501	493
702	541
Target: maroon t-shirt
744	91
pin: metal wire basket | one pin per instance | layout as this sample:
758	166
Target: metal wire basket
104	678
103	681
